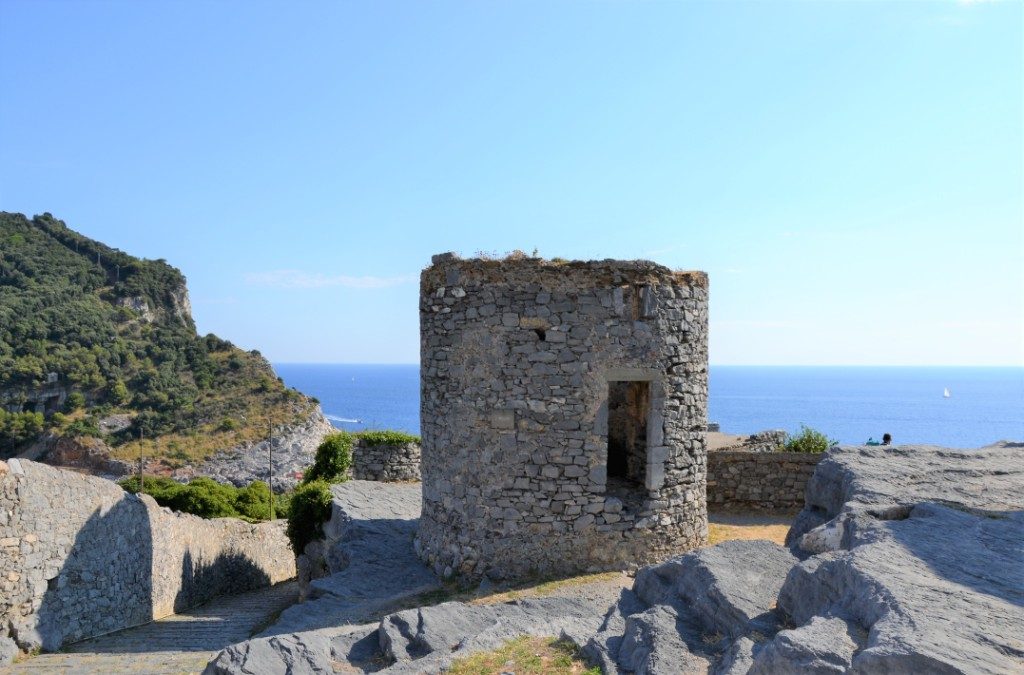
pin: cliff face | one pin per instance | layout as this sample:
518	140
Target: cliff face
178	309
294	447
99	348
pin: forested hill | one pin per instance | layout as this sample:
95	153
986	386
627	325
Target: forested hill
95	342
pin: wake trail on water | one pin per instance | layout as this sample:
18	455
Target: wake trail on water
345	420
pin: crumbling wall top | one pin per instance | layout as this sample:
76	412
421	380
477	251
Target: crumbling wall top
544	271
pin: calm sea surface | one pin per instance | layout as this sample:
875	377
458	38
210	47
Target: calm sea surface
849	404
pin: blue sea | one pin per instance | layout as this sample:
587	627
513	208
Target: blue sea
850	404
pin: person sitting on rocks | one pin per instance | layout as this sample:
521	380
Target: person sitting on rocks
886	439
872	441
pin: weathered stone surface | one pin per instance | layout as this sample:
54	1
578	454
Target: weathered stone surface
904	579
737	658
653	642
822	647
426	640
80	557
423	640
180	643
888	479
367	554
732	587
386	463
526	367
303	654
898	583
756	479
8	651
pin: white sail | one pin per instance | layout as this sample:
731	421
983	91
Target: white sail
945	393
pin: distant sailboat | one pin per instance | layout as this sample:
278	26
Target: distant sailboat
945	393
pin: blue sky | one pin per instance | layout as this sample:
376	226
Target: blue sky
849	174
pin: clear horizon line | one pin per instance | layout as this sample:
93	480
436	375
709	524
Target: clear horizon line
718	365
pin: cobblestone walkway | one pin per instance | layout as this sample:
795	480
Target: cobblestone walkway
182	643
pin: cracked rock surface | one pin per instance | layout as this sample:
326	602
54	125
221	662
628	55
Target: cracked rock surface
904	560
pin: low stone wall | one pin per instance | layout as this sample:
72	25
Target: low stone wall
760	480
80	557
386	462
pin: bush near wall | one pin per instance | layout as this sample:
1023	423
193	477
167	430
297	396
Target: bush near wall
333	459
309	509
207	498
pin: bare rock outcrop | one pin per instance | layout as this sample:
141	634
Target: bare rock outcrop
913	562
294	450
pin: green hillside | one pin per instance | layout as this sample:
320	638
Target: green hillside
87	332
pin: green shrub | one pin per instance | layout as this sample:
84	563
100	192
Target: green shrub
207	498
74	401
809	440
309	509
387	438
87	426
228	424
19	428
333	459
119	393
253	501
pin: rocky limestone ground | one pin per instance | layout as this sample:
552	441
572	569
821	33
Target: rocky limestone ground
905	560
912	563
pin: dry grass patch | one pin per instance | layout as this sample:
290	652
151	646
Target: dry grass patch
729	526
550	587
526	656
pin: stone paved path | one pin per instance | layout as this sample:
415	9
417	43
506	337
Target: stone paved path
182	643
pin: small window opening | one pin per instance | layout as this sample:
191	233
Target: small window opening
541	334
628	407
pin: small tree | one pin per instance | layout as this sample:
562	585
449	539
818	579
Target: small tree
333	459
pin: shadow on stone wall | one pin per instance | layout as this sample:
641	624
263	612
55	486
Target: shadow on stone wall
227	574
105	582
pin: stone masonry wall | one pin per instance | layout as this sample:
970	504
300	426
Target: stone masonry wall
517	360
760	480
386	462
80	557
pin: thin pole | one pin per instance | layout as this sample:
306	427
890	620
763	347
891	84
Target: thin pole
271	481
140	462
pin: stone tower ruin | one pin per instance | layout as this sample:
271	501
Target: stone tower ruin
563	409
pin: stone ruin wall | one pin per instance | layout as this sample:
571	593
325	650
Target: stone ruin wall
80	557
759	480
387	463
519	360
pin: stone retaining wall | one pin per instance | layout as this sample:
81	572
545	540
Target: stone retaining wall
80	557
388	463
760	480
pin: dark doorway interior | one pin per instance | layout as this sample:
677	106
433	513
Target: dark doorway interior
628	406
